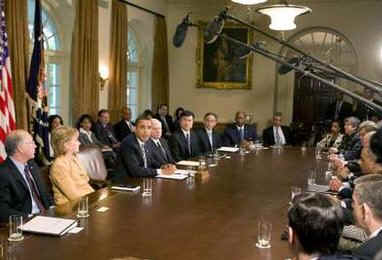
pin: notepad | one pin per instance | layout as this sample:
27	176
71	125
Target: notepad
188	163
228	149
172	176
49	225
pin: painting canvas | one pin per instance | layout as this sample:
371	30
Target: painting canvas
219	64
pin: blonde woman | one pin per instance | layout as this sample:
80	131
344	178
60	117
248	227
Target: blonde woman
69	179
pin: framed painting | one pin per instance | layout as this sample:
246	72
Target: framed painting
218	65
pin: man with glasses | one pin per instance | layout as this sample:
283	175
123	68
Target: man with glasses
21	190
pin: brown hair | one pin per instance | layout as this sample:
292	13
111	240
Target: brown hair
60	136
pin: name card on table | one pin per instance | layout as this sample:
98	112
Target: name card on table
228	149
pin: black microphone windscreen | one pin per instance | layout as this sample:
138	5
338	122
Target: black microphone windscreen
180	34
284	69
213	29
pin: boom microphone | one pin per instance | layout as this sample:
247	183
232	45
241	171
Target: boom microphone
181	31
214	28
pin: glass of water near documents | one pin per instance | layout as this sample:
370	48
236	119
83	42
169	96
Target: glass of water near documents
83	208
15	225
264	234
294	191
147	187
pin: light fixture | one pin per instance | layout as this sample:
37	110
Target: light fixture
283	15
103	76
249	2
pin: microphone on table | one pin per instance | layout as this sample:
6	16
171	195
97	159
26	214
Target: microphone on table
181	31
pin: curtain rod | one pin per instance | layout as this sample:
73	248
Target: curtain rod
142	8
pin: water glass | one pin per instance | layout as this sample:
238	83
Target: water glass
202	163
15	224
312	177
242	150
147	187
83	208
264	233
295	191
318	153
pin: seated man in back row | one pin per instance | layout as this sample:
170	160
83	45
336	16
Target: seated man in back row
22	192
277	134
137	158
239	131
209	139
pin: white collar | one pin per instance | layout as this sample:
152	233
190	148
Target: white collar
240	127
185	132
375	233
209	130
141	144
84	131
156	141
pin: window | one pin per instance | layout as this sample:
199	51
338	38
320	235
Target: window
132	74
52	45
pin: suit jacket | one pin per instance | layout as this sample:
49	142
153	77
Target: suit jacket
269	138
351	147
169	123
132	158
232	134
157	153
15	198
204	141
106	134
69	179
346	110
370	248
121	130
84	139
178	145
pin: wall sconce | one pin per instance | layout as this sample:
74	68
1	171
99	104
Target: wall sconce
103	76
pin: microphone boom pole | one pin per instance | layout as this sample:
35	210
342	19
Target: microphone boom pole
273	57
346	75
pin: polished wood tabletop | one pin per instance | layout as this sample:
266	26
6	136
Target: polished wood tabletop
211	218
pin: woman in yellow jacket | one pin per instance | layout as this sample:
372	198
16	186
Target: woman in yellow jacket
69	179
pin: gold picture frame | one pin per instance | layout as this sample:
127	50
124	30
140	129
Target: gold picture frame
217	65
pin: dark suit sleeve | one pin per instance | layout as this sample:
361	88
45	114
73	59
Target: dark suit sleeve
355	152
267	137
227	140
6	200
130	159
175	149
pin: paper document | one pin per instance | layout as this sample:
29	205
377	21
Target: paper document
188	163
184	172
228	149
172	176
49	225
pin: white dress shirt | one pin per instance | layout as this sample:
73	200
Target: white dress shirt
88	134
375	233
281	134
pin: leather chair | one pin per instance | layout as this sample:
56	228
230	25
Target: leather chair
92	160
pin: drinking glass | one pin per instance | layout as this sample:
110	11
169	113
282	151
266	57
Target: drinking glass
147	187
83	208
202	163
15	224
318	152
264	233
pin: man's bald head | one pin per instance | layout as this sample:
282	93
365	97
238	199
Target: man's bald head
156	129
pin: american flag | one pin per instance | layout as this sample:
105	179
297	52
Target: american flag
7	107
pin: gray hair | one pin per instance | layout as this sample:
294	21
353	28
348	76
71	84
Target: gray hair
370	193
13	140
155	121
368	178
353	121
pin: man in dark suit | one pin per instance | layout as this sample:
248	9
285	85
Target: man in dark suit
238	132
184	143
277	134
21	190
339	109
367	210
124	127
165	119
158	146
136	157
209	139
104	130
315	227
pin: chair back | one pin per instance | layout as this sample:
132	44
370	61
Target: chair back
92	160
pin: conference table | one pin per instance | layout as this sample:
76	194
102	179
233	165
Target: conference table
214	217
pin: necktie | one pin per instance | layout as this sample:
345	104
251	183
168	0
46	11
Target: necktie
144	156
211	140
165	124
278	139
188	144
242	133
162	150
34	189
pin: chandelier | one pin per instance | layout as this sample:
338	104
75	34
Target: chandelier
283	15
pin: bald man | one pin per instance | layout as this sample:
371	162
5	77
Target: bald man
21	190
158	145
239	131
